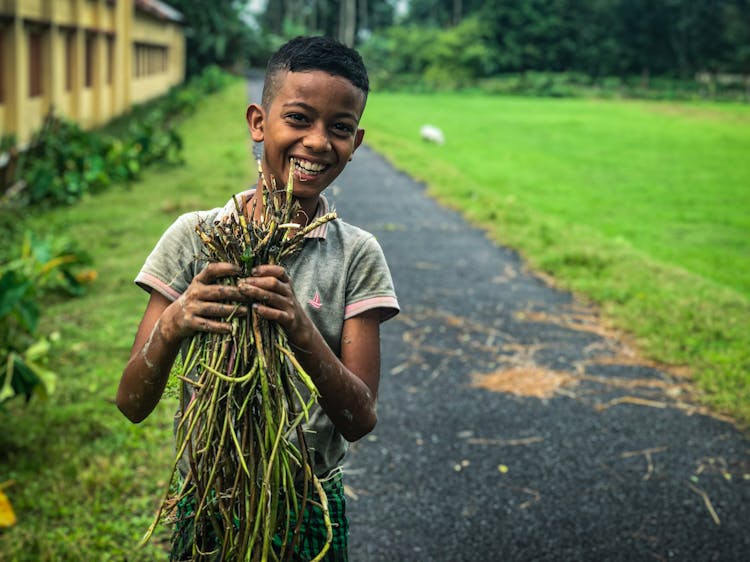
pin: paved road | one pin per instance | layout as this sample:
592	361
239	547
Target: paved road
472	461
611	466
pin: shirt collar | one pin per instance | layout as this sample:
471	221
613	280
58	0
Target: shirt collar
320	232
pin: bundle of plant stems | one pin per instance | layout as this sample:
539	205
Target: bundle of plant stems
247	480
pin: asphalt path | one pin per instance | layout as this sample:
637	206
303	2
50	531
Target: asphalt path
512	425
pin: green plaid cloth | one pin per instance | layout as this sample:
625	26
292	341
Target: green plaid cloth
313	532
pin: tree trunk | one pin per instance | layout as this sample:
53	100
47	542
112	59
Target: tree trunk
347	21
363	15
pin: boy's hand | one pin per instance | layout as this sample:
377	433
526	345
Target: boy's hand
270	291
348	385
204	303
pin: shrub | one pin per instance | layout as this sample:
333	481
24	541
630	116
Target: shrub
460	56
444	59
64	163
40	266
397	52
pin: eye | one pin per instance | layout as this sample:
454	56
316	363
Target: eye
296	118
343	129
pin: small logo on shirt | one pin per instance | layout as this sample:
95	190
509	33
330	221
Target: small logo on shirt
315	301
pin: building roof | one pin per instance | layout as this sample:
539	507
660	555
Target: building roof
159	9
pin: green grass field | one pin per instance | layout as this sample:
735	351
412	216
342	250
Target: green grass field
643	207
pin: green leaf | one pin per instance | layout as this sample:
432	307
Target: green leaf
46	380
15	299
13	289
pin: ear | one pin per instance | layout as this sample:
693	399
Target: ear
255	116
358	136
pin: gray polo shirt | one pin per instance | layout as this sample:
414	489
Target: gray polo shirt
340	272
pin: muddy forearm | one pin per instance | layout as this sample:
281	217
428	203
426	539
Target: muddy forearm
146	374
345	398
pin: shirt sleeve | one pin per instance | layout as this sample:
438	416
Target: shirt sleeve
369	283
175	259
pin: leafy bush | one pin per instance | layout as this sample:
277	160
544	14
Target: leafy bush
40	267
460	56
211	80
576	84
64	163
443	59
421	58
398	51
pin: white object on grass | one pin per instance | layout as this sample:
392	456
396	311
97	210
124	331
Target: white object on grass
431	133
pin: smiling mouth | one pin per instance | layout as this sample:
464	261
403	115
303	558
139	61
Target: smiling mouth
307	170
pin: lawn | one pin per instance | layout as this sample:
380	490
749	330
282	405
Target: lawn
85	480
644	207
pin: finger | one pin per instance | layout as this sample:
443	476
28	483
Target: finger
220	310
213	293
255	286
268	270
214	271
271	313
259	295
213	326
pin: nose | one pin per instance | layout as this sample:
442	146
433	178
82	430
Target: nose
317	140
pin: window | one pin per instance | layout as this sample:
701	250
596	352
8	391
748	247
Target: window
150	59
70	39
90	59
2	67
35	64
110	58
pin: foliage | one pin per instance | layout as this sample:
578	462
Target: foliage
460	55
449	58
64	163
621	38
577	84
475	41
326	17
42	266
618	37
248	385
397	52
219	36
441	13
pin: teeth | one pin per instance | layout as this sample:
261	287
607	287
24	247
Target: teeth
309	167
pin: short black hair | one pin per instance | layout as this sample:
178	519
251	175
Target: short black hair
315	53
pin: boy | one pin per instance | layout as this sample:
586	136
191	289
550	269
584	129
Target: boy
330	298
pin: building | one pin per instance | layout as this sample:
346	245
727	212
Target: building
88	60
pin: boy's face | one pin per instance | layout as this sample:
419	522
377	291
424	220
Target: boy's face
313	119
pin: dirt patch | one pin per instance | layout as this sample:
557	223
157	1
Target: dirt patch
619	349
524	381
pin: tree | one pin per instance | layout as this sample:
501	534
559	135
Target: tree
346	20
217	35
442	13
594	37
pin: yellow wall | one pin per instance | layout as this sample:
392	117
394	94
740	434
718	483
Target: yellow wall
114	28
